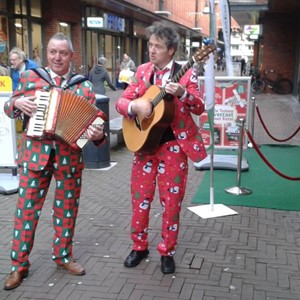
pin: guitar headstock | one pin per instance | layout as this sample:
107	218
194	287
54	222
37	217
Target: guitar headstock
203	52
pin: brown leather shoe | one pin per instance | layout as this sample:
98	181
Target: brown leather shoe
74	268
14	279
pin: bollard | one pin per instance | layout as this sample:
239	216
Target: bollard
238	190
98	157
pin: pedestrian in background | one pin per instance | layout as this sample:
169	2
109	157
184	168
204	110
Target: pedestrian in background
166	164
19	64
243	66
4	71
100	77
40	159
36	57
127	64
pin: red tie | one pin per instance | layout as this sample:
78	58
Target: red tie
58	80
159	74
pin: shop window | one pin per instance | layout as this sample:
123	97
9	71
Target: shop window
37	45
3	40
20	7
65	28
36	10
21	28
3	6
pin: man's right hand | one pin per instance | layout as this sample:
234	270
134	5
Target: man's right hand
26	105
142	107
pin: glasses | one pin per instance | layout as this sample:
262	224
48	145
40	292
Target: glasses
155	47
14	59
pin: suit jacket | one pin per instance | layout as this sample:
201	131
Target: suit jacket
186	132
34	153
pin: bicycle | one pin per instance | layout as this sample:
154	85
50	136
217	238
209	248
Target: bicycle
272	80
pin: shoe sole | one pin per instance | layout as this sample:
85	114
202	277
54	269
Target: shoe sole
72	273
14	287
132	266
168	272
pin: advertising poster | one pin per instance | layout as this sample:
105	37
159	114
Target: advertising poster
232	98
7	127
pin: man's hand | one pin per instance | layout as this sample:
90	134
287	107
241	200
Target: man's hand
142	107
174	89
95	133
26	105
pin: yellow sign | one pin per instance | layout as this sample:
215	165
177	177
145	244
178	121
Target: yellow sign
5	84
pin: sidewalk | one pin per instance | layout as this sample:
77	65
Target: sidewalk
254	255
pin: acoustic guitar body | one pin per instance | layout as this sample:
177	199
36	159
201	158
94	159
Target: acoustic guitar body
144	135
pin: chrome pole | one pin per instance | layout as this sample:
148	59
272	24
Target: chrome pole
238	190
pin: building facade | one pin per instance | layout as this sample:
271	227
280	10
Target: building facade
112	27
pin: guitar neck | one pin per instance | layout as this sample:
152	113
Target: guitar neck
175	79
195	58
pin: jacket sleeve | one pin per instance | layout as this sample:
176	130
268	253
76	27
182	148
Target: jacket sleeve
192	100
108	80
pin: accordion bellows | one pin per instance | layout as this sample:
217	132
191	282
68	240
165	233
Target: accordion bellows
64	115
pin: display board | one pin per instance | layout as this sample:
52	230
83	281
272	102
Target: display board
7	127
232	98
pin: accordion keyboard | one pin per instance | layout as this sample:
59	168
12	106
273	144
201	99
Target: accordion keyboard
37	123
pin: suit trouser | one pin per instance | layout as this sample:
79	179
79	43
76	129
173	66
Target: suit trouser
169	168
33	189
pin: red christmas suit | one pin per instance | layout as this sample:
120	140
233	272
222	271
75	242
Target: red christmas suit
37	165
168	165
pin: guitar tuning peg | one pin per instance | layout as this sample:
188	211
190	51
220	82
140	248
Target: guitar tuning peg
207	41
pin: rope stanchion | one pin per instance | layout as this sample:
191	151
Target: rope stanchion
267	131
267	162
238	190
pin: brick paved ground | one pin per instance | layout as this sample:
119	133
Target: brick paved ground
253	255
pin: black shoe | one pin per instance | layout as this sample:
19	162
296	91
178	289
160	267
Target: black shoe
167	264
134	258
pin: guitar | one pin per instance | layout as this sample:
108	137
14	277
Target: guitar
144	134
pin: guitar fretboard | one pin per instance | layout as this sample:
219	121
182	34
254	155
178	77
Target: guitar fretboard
195	58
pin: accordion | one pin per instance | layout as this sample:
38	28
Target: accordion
64	115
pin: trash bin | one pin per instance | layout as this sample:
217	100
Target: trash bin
98	157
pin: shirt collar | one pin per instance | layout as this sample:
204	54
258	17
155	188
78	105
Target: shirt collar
169	66
53	75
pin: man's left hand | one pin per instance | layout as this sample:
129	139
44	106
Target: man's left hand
174	89
95	133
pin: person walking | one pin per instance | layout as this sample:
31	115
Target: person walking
36	57
127	64
99	77
42	158
167	163
19	64
4	71
243	66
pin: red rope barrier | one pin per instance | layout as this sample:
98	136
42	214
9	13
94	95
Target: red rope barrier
267	131
266	161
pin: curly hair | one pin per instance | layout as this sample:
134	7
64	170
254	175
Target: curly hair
166	32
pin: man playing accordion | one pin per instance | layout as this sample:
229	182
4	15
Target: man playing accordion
40	159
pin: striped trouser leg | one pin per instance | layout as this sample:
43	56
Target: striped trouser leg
32	192
65	209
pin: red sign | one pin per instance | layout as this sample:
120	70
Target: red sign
231	107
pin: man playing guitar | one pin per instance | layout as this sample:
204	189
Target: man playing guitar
177	138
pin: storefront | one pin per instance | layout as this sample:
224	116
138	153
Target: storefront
111	35
20	26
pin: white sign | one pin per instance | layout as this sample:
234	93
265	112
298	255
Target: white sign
94	22
253	29
7	127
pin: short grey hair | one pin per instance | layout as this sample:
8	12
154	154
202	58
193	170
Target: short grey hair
102	60
59	36
21	54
